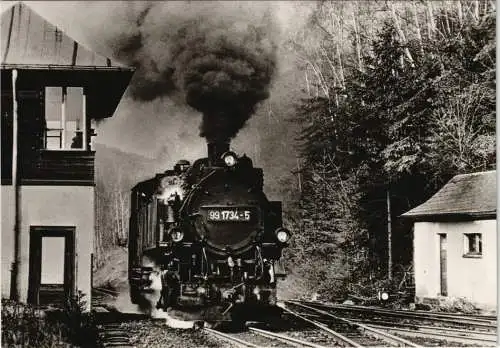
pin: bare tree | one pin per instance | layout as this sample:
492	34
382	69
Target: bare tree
112	204
460	12
476	10
401	34
458	131
358	42
417	27
431	25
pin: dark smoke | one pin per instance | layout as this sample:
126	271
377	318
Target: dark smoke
218	57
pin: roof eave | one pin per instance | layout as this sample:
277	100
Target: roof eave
105	85
65	67
448	217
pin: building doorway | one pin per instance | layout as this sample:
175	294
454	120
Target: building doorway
442	264
51	265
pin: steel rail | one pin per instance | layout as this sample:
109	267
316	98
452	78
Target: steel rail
481	341
339	337
418	312
426	327
112	335
461	319
388	338
284	338
424	314
230	338
106	291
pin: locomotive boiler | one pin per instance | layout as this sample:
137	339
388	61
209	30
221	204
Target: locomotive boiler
208	231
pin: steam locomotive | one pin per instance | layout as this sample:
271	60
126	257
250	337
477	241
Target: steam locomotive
210	234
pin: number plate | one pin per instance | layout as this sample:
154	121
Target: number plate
229	214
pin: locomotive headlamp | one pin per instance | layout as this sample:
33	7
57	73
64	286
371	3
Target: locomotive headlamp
282	235
176	235
229	158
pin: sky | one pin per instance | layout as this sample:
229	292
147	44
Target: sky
161	127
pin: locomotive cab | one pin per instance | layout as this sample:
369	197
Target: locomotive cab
210	233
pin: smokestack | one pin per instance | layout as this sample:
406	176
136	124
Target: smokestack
215	151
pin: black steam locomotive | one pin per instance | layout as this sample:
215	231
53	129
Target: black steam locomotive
210	234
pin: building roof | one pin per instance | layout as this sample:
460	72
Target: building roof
46	56
469	196
30	41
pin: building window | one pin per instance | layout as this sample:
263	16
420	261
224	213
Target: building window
65	118
473	244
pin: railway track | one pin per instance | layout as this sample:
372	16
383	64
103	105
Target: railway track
346	332
476	321
111	329
285	338
114	335
255	337
296	330
464	337
232	339
430	328
464	330
101	295
113	332
105	291
316	325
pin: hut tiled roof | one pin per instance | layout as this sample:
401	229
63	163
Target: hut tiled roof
27	39
466	196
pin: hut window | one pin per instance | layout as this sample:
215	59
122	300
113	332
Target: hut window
473	244
65	118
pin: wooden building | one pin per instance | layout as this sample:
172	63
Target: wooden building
53	90
455	241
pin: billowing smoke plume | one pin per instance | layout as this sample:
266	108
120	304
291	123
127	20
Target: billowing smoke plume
218	57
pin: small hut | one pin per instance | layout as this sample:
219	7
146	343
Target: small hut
455	241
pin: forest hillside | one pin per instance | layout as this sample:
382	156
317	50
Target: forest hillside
400	98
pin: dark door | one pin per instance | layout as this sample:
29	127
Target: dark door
442	264
52	264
